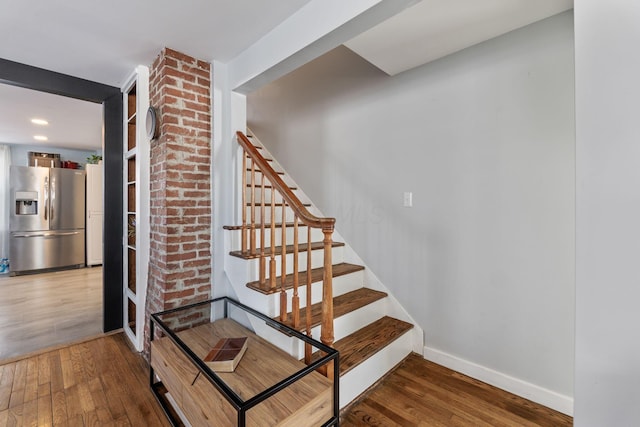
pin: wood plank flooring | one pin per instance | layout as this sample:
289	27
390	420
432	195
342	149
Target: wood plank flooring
421	393
100	382
44	310
104	383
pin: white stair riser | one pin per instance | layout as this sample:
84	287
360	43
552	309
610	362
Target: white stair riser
277	338
257	202
236	236
341	284
267	196
257	215
360	378
258	179
342	326
317	261
237	269
349	323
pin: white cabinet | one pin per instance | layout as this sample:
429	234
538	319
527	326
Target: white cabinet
95	214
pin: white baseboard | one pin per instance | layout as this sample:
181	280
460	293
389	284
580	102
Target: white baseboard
540	395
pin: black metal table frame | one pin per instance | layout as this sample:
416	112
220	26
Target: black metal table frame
242	406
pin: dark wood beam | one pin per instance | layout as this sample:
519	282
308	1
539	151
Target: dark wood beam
112	260
17	74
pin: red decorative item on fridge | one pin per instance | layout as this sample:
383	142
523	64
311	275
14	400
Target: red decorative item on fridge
68	164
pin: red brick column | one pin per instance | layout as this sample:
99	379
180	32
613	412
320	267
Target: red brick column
180	257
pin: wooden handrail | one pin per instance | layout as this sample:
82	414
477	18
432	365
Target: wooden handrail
258	164
306	217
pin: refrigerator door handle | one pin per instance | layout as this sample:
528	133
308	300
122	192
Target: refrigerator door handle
53	198
67	233
46	197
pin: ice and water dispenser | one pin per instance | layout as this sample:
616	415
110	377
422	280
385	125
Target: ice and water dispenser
26	203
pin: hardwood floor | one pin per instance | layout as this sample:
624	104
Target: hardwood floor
101	382
421	393
44	310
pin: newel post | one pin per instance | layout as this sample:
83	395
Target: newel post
326	334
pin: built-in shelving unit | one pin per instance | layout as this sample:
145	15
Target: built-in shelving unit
135	204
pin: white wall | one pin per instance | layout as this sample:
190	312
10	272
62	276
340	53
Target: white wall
607	390
485	141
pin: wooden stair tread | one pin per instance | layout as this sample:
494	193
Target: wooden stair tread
268	187
342	304
268	160
258	171
302	247
364	343
316	276
277	205
267	226
257	147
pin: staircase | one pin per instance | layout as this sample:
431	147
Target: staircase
333	297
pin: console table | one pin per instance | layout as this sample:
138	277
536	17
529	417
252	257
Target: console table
269	387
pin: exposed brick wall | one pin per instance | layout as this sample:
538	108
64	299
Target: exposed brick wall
180	258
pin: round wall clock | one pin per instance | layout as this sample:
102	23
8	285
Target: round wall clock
151	123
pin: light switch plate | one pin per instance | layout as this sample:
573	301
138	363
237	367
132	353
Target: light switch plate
408	199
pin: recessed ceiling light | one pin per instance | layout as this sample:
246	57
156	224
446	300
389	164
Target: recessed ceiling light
40	138
41	122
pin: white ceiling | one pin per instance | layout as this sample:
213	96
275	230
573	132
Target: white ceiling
72	123
435	28
104	40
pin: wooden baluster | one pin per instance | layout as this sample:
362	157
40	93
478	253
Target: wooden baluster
326	333
300	213
283	267
243	244
307	346
263	261
272	262
295	301
252	237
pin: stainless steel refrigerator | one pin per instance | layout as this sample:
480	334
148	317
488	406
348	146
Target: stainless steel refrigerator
47	219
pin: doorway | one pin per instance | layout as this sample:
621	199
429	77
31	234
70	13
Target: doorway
61	135
110	97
